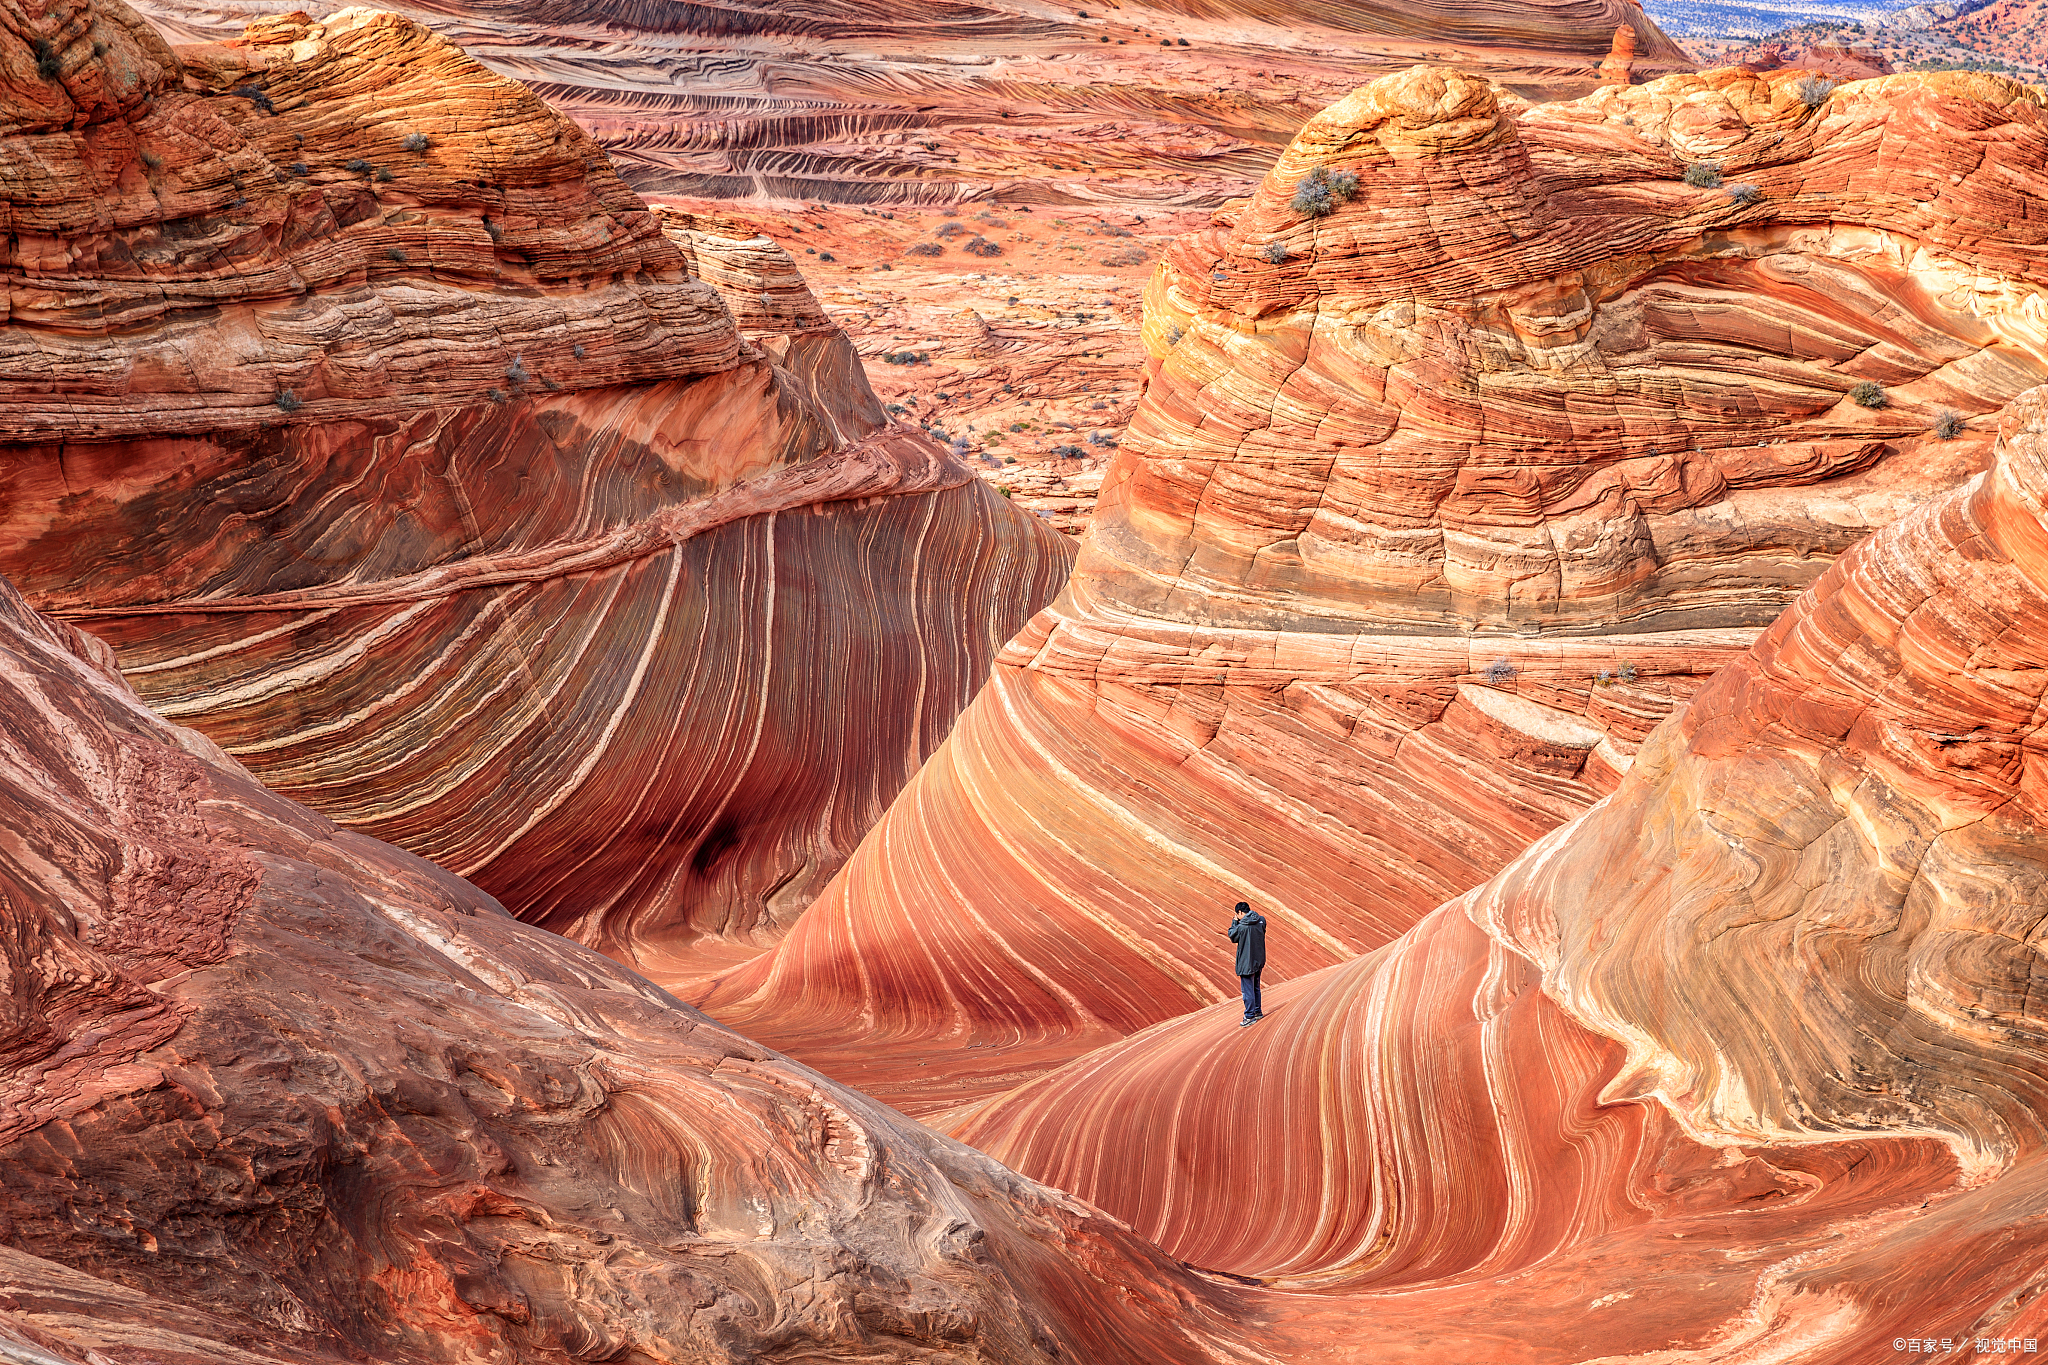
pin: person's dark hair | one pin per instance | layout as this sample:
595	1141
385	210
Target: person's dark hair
1243	909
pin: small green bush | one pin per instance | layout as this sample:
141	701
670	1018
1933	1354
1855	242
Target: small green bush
397	254
1704	175
1869	393
924	249
49	65
1948	425
1744	195
287	401
360	166
1320	192
417	142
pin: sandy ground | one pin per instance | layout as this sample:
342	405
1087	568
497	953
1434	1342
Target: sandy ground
1027	359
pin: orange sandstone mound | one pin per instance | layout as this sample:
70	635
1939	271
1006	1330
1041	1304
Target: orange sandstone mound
1475	440
393	443
271	1090
1748	1062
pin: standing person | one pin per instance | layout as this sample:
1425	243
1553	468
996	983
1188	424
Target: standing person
1248	932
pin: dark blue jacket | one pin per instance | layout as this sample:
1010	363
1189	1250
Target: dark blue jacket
1249	934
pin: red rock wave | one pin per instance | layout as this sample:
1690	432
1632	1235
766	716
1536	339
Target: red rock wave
1444	492
460	497
272	1090
1757	1040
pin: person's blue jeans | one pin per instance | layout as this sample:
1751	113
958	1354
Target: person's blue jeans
1250	984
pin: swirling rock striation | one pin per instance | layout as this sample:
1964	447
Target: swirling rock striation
1791	967
270	1089
1475	441
462	497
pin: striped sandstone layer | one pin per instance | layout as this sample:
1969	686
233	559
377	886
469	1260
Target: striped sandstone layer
274	1091
393	443
1435	506
1804	936
940	101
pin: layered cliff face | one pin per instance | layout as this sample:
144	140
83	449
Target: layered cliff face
1803	937
933	103
1475	441
453	495
266	1083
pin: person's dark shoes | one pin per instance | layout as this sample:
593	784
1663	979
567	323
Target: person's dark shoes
1248	1022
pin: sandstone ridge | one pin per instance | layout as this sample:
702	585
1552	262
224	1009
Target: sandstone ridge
405	420
1475	440
271	1090
1791	966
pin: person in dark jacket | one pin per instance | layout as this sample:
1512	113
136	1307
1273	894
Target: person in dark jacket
1248	932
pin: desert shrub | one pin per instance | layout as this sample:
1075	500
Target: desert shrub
1744	195
395	254
1499	671
153	161
1124	255
948	231
577	350
1320	192
549	384
1948	425
360	166
300	169
1183	42
516	372
255	97
1166	42
1704	175
287	401
1274	253
1174	332
48	64
383	176
924	249
1101	438
494	229
982	246
495	395
1812	90
1869	393
99	49
1069	452
827	256
417	142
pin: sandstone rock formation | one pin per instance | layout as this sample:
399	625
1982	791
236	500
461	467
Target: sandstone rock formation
1792	970
1476	440
272	1090
1174	102
457	498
